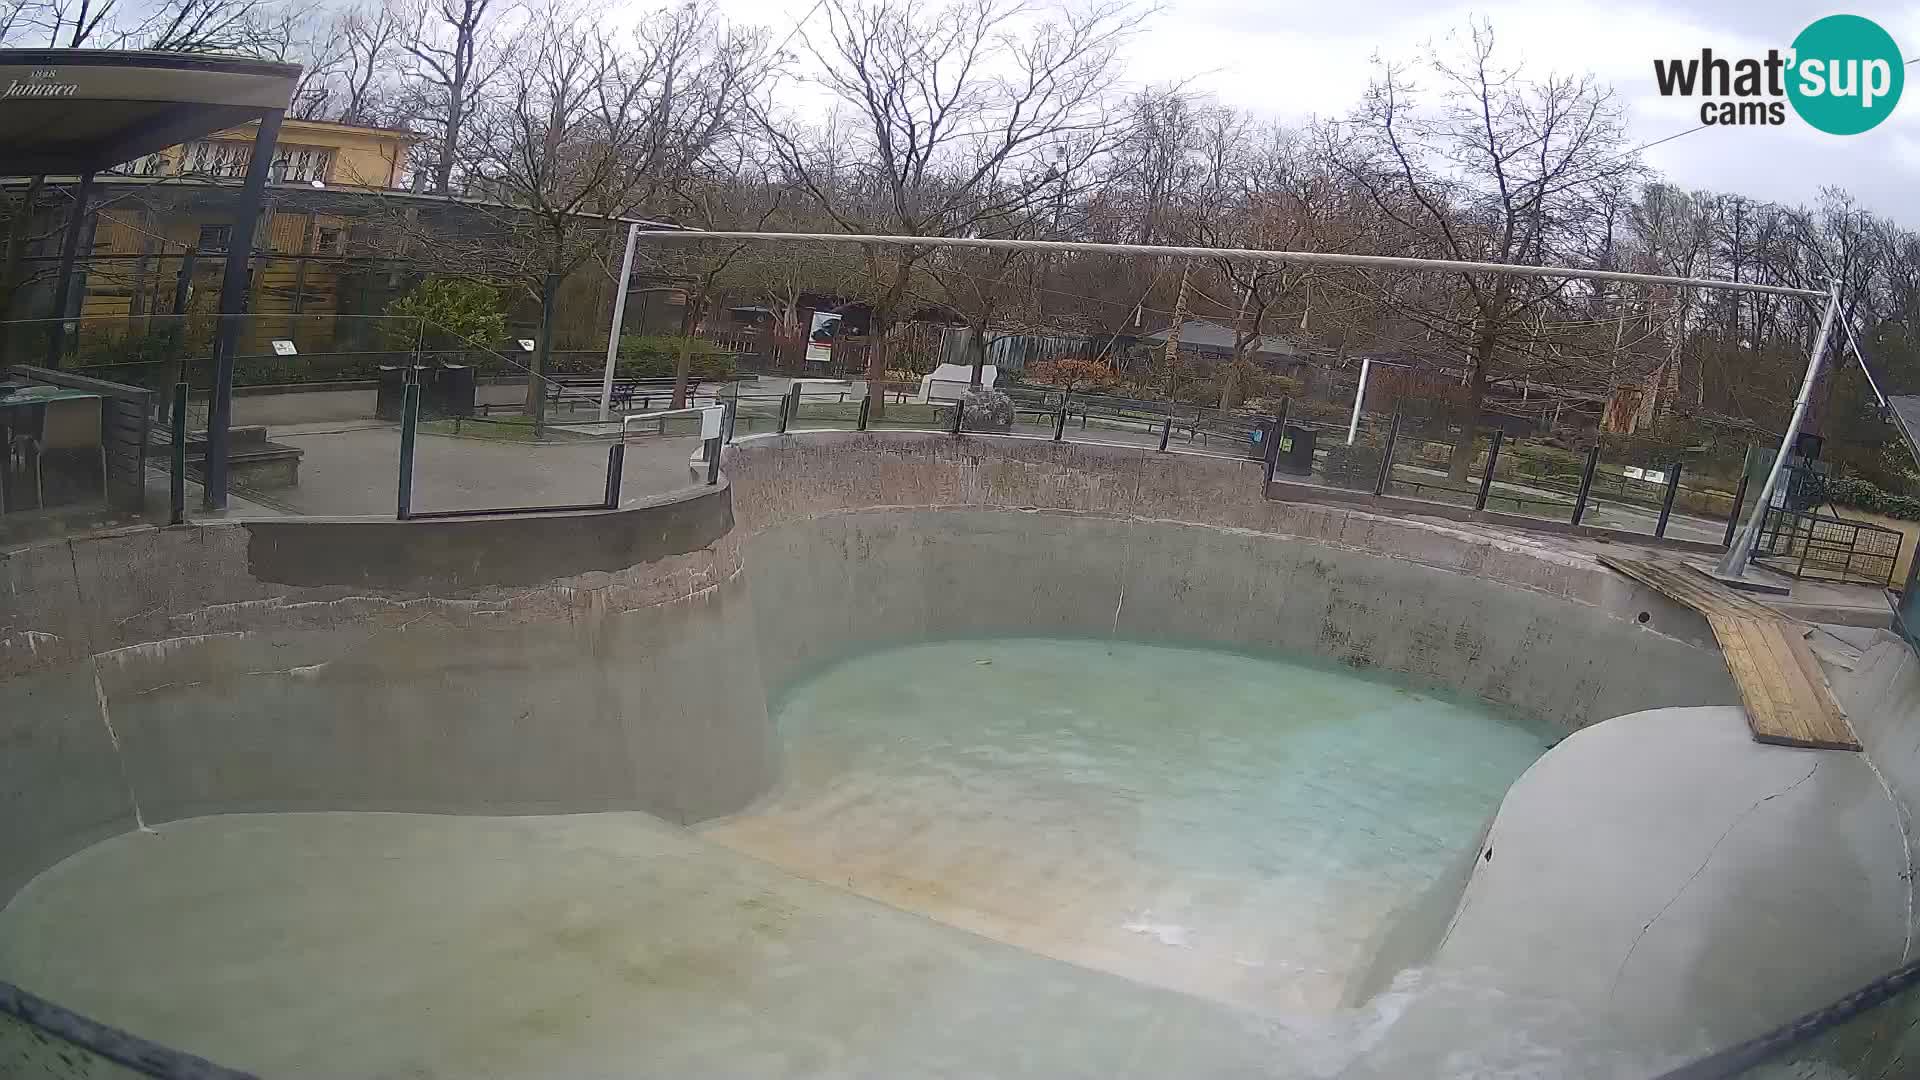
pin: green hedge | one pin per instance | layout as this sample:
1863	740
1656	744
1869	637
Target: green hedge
651	356
1855	492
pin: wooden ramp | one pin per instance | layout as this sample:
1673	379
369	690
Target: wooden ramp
1780	681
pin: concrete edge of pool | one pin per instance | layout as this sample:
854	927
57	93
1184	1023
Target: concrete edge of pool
174	668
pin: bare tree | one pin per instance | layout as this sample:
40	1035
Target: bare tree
953	116
1504	169
453	53
348	61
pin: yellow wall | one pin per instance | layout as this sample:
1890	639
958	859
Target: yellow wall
362	156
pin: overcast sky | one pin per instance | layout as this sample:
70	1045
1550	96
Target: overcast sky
1296	58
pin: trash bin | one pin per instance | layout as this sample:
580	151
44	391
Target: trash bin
1296	454
453	389
1257	438
390	398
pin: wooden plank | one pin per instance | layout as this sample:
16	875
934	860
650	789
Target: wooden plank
1780	681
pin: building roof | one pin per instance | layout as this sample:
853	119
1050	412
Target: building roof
87	110
1200	333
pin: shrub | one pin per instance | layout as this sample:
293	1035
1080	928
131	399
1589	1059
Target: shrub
1071	374
1862	495
447	313
987	410
653	356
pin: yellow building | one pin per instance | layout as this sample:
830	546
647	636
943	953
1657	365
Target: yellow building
156	209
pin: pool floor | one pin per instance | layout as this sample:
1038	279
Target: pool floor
1234	827
1013	857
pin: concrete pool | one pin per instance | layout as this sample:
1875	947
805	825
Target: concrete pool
720	785
1235	827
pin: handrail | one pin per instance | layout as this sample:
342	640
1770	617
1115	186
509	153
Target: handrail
662	414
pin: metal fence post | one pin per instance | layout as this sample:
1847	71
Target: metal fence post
1166	430
1386	459
178	494
733	411
786	401
866	406
1733	517
1666	504
713	462
616	465
791	411
1586	483
1486	478
1272	457
959	411
1060	421
409	421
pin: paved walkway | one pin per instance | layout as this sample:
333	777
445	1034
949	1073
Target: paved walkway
353	469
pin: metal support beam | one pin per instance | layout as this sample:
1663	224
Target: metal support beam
1297	258
409	424
1666	504
1386	459
1734	563
1586	484
234	287
177	490
1733	516
619	321
1486	478
866	406
616	470
63	289
1359	396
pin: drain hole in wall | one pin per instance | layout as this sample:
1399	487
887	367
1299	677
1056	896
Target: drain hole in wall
1644	616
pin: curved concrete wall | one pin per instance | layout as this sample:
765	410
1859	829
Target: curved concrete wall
859	541
624	660
595	661
511	665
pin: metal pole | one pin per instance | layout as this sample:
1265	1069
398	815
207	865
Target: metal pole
179	487
786	403
234	289
1586	483
866	403
733	410
1060	421
1734	563
1733	516
959	411
1386	459
1272	448
713	462
619	321
1666	504
63	290
1166	430
409	421
1299	258
1359	395
1486	478
616	469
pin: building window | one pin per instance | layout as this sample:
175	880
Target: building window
302	164
215	237
216	158
328	242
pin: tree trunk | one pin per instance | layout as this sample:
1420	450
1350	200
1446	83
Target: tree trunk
1469	414
683	366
